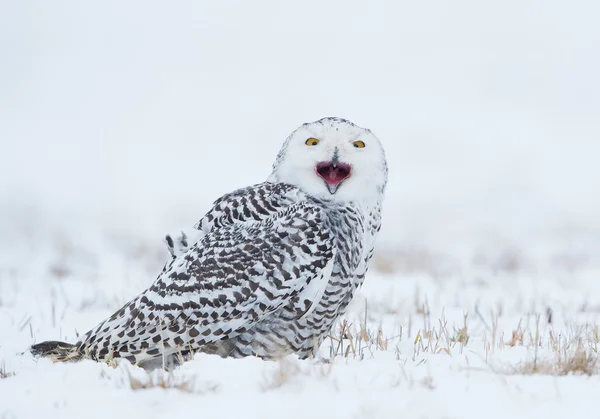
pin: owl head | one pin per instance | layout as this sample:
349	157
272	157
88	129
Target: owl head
333	159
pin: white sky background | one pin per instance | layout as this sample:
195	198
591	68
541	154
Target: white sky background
134	116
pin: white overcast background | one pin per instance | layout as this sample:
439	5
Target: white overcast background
132	117
121	121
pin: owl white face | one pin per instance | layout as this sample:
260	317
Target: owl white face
334	159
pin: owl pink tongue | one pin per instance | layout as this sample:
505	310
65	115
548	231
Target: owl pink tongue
334	175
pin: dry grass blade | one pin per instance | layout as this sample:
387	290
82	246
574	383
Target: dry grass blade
577	362
4	373
160	379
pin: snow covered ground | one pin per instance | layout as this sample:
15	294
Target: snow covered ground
120	122
429	336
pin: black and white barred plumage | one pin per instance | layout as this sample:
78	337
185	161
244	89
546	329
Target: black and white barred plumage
269	269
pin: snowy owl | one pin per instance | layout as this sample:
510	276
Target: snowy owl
270	268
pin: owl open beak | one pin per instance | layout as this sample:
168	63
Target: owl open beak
333	173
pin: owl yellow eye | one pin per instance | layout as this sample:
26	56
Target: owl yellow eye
358	144
312	142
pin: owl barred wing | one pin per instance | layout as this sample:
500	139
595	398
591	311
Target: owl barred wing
233	277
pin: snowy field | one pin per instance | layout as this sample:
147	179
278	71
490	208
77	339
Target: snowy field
428	337
120	123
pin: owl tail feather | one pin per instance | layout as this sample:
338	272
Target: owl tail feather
57	351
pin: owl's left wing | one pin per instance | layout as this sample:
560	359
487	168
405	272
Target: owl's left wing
232	278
